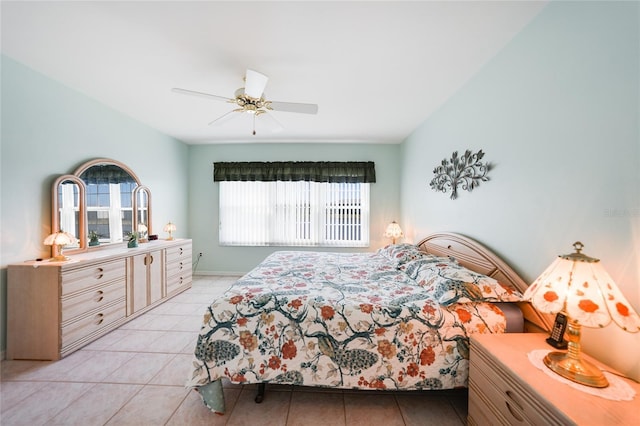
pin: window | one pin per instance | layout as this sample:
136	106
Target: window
294	213
289	203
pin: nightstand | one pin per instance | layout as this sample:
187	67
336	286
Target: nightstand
505	388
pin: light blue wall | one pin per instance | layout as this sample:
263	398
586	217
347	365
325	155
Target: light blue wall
558	114
203	202
49	130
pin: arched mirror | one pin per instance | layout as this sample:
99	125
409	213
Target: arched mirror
101	203
68	207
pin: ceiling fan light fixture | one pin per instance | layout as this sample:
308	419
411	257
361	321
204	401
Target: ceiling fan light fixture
255	84
251	99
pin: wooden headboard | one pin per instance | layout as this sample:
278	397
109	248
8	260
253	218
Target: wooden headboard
476	257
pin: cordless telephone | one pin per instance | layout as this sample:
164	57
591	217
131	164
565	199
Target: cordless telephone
557	332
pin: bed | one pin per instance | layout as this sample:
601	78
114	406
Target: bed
396	319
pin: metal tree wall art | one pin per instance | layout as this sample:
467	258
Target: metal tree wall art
465	172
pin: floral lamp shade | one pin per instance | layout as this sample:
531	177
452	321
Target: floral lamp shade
57	240
393	231
582	288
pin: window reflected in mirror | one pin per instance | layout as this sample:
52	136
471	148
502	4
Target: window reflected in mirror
110	211
101	203
109	201
142	197
69	209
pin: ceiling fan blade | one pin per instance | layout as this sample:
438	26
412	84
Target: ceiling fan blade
270	123
255	84
224	117
201	94
294	107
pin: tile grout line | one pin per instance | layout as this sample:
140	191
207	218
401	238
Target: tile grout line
124	404
395	398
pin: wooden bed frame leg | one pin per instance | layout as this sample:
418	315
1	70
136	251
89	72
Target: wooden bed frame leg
260	394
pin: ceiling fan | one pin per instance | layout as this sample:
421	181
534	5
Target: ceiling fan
251	99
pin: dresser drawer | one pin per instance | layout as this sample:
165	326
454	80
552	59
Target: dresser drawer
179	254
84	326
178	281
82	278
179	267
88	301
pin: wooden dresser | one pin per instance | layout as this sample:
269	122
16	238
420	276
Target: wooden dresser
505	388
55	308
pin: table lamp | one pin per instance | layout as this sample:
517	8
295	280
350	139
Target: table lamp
579	286
393	231
57	240
170	228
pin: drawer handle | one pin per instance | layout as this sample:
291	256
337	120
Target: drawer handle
99	319
514	399
148	260
181	250
99	296
181	266
515	415
99	273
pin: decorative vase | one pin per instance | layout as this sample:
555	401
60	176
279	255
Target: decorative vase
94	243
132	244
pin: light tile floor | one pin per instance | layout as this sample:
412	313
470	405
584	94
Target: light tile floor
135	375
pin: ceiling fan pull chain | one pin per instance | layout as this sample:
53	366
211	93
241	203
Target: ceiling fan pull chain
254	124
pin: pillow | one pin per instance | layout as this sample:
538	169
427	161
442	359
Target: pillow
399	254
450	282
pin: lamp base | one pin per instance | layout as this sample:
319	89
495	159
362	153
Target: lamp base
59	258
575	369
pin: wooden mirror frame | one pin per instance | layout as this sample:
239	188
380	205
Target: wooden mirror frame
82	214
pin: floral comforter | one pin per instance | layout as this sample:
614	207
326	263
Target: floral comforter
337	320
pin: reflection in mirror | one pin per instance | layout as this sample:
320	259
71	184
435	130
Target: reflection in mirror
109	200
110	210
142	199
69	209
102	202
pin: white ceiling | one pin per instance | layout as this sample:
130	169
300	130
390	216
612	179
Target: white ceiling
376	69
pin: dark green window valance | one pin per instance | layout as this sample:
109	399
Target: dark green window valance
313	171
105	174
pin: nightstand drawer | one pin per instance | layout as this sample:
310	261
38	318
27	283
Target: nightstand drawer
480	411
512	405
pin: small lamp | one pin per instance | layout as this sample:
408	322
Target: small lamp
393	231
142	232
57	240
170	228
579	286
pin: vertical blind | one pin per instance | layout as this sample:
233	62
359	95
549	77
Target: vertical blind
293	212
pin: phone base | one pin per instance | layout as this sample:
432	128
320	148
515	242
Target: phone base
558	345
